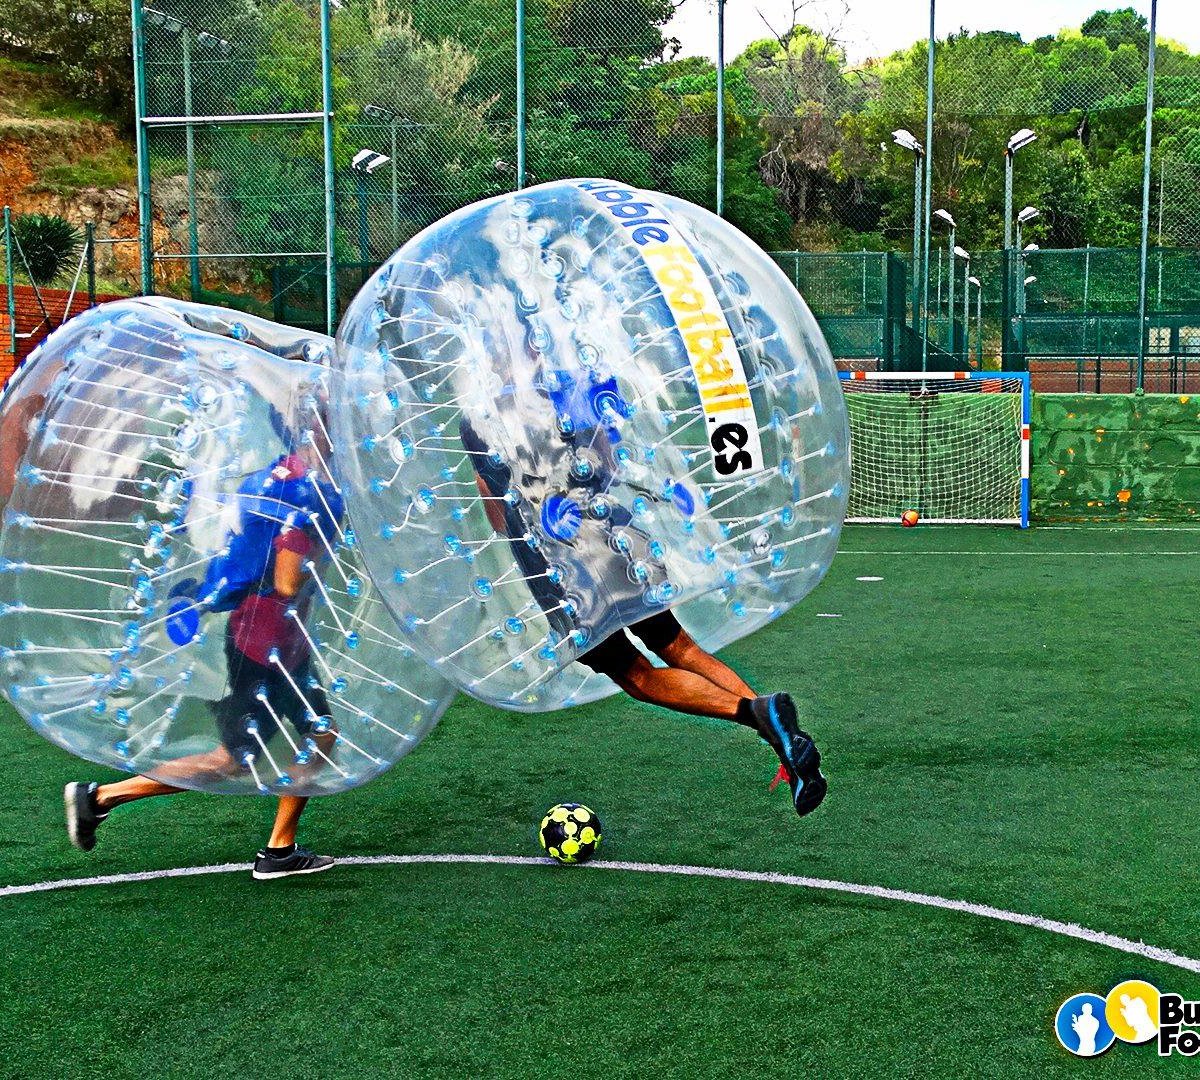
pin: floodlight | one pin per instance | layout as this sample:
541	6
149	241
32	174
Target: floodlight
1022	138
211	41
945	216
1032	247
962	253
1028	214
366	161
975	281
1031	279
905	138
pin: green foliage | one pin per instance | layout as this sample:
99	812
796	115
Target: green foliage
809	155
47	245
1116	28
111	167
828	149
86	41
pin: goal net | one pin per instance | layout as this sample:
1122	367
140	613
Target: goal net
953	446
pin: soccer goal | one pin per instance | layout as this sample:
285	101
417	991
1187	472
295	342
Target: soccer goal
951	445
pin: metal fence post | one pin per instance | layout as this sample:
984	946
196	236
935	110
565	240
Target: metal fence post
10	291
89	239
1141	357
928	190
141	134
520	94
190	145
331	312
720	106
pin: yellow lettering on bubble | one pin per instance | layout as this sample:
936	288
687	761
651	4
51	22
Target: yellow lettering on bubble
675	274
712	369
703	319
673	253
711	340
686	298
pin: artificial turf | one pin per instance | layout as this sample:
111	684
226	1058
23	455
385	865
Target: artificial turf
1006	719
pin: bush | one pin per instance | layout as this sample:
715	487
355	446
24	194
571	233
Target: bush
49	245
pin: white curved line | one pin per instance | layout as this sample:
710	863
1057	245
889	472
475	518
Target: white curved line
1053	926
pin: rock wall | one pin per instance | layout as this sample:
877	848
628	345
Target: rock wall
1115	457
113	211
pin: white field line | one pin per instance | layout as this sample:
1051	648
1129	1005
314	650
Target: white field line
1028	554
986	911
1133	526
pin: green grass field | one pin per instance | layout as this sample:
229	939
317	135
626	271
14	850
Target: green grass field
1007	719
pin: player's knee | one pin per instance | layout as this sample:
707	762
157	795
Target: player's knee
680	649
638	679
219	763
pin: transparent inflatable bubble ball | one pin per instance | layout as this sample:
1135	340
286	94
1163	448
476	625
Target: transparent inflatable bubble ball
566	409
181	591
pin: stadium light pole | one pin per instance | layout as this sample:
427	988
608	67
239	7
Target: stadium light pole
9	283
331	304
945	216
365	162
928	185
965	255
720	107
908	141
1030	213
978	320
1016	142
1142	328
520	89
394	121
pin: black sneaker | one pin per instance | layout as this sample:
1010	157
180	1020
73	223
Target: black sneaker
776	719
296	861
83	815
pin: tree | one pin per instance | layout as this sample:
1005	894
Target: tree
87	41
1121	27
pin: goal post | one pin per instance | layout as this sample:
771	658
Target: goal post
951	445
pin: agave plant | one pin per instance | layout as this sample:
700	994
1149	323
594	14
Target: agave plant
48	243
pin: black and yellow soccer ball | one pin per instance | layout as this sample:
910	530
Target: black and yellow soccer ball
570	833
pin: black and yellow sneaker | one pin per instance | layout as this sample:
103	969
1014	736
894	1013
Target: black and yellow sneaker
800	760
284	862
83	815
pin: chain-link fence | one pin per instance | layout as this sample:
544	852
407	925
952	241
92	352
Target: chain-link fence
435	103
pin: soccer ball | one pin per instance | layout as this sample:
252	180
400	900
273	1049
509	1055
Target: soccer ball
570	833
909	518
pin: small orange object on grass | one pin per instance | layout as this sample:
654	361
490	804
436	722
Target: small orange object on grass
909	518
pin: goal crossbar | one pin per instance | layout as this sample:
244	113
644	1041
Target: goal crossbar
952	445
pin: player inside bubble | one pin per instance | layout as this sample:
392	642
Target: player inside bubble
689	679
181	595
581	417
567	409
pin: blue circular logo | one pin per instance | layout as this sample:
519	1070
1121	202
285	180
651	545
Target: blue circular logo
561	517
1081	1026
183	621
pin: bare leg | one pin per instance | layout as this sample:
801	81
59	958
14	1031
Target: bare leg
683	691
136	787
217	763
685	654
287	818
